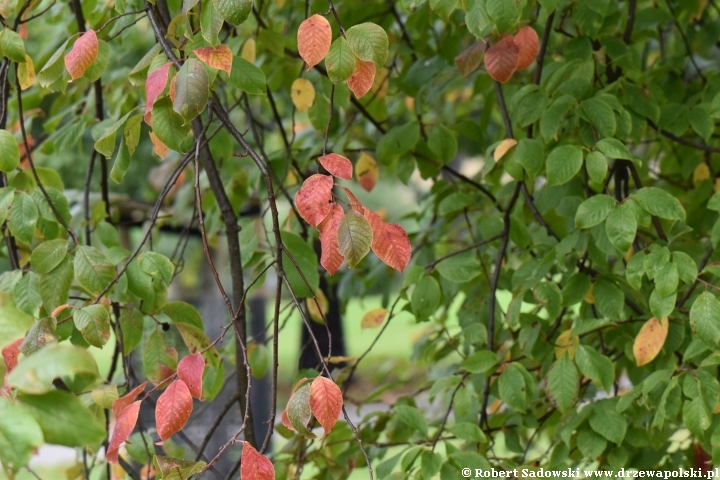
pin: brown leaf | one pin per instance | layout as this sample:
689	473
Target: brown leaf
471	58
122	402
254	466
390	242
330	257
373	318
366	171
82	54
501	59
528	46
219	58
172	410
314	38
123	428
314	199
362	78
190	370
650	340
337	165
503	148
325	402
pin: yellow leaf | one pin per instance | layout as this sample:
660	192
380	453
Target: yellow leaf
701	173
717	184
373	319
650	340
303	94
566	343
249	50
589	297
318	309
339	359
503	148
26	73
366	171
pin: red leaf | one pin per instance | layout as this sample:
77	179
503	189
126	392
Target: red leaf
390	242
337	165
501	59
354	202
255	466
122	402
325	402
314	199
330	257
10	354
82	54
123	428
190	370
154	86
219	58
362	78
173	409
528	46
314	38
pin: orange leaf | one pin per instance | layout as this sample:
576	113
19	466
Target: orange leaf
390	242
173	409
82	54
650	340
123	428
154	86
501	59
122	402
159	148
470	59
503	148
325	402
190	370
255	466
337	165
330	257
219	58
172	90
366	171
354	202
362	78
314	199
314	38
373	318
528	45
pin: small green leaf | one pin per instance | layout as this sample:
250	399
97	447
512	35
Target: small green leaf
606	421
595	366
12	46
23	216
443	143
299	412
511	386
93	322
425	298
48	255
340	61
686	267
594	210
20	435
609	299
460	268
561	383
704	315
131	325
529	154
504	13
660	203
661	307
55	285
621	227
480	361
54	68
412	417
354	237
247	77
397	141
597	166
176	468
563	164
369	42
168	125
157	266
234	12
9	152
666	280
614	148
93	269
600	116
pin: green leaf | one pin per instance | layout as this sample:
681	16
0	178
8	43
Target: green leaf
23	216
9	152
35	373
412	417
211	23
460	268
606	421
192	88
26	294
686	267
563	164
661	307
106	143
561	383
477	19
397	141
12	46
590	444
93	322
55	285
595	366
696	416
234	12
354	237
340	61
554	116
48	255
20	435
609	299
666	281
597	166
425	298
369	42
168	125
511	386
480	361
96	69
704	315
176	468
40	334
157	266
660	203
600	115
444	8
621	227
54	68
614	148
594	210
131	133
443	143
299	412
63	419
505	13
469	432
701	122
307	262
155	356
529	154
183	313
93	270
131	326
247	77
121	163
